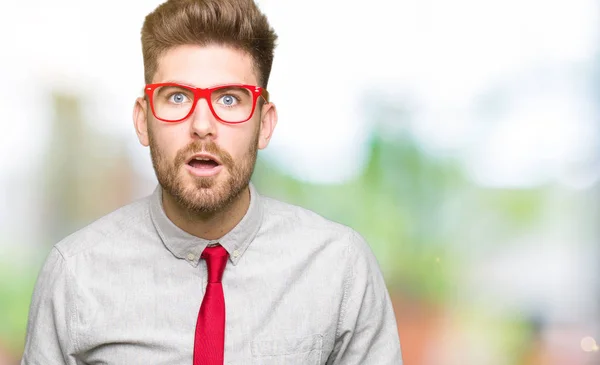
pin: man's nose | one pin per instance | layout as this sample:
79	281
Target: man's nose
203	122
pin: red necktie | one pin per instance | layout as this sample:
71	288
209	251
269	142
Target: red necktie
209	343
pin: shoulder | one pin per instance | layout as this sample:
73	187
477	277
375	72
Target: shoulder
109	228
281	214
302	232
298	222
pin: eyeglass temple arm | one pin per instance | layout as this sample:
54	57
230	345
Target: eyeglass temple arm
265	94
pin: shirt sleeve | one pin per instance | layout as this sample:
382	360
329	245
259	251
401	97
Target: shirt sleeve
50	339
367	331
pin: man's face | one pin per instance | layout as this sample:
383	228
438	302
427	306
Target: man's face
204	186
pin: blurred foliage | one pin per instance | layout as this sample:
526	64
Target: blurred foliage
17	278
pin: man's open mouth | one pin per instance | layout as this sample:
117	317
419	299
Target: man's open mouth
203	163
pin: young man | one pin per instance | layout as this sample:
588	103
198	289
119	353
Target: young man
206	270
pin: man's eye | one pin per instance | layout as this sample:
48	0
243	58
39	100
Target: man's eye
228	100
178	98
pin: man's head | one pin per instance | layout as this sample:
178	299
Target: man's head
203	148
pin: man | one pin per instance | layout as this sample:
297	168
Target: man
206	270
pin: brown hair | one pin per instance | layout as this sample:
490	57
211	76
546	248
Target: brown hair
235	23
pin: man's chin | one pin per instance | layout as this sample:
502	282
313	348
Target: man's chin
199	199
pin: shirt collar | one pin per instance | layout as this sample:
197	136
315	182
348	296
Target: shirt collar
189	247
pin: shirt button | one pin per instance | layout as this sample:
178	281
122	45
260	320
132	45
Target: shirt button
191	257
236	253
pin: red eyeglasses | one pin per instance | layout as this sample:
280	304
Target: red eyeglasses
234	103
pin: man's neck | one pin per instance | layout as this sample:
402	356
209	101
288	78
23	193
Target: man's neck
210	226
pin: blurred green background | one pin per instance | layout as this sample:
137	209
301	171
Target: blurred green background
460	138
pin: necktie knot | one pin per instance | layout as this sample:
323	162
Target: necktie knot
216	259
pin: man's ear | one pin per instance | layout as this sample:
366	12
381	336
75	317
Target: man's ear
140	121
267	124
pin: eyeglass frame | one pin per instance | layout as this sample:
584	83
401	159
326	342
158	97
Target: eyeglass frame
205	93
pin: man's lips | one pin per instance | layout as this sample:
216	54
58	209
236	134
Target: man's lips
204	171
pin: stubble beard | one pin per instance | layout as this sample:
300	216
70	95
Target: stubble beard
203	195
